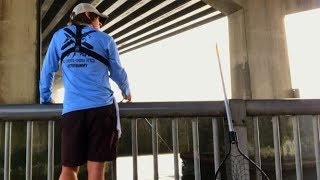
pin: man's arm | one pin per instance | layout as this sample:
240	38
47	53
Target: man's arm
49	67
117	72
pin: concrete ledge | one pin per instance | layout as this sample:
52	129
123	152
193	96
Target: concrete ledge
294	6
226	7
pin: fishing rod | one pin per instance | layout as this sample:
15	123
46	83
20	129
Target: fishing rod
158	135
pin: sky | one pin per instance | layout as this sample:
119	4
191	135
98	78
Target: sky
181	68
303	37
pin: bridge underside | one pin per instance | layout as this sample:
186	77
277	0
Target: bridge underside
258	53
133	24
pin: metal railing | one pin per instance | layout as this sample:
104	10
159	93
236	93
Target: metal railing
240	110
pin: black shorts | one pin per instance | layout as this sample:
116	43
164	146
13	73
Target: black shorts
89	135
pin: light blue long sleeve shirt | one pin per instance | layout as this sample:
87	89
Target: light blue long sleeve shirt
85	79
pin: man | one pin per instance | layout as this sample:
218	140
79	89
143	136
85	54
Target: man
89	122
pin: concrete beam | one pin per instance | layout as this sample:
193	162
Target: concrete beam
66	7
45	7
226	7
294	6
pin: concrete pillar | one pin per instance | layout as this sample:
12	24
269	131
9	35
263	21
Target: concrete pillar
258	54
258	51
19	66
19	72
240	75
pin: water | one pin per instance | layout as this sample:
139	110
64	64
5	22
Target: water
145	167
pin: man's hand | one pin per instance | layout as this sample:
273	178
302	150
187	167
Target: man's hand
128	98
52	102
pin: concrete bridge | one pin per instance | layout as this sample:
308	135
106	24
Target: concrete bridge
258	49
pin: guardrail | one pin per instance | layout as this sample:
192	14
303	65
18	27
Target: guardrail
240	109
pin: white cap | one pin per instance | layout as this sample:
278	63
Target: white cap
86	7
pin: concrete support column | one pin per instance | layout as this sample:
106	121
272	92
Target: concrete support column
240	75
19	74
19	69
258	51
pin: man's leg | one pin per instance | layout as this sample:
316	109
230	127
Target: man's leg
69	173
95	170
73	144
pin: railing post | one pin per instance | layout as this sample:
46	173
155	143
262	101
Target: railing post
257	145
29	150
216	152
7	150
155	148
276	142
296	135
50	170
134	148
315	122
175	142
239	115
196	153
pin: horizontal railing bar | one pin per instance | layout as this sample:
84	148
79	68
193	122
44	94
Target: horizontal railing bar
127	110
171	109
30	111
283	107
